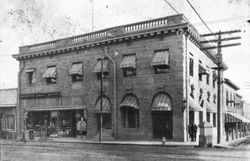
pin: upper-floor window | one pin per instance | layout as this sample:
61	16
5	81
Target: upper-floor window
76	72
191	66
231	98
128	65
227	95
214	79
102	68
30	73
160	61
208	75
50	75
234	101
202	72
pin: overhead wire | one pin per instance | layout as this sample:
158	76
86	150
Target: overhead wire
199	15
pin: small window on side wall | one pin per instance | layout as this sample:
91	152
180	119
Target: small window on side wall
160	61
30	73
191	66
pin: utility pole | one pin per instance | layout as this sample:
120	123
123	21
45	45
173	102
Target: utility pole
220	67
101	93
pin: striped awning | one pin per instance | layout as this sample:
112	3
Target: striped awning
104	68
194	105
50	72
130	101
76	69
56	108
161	102
210	108
106	106
160	58
129	61
235	117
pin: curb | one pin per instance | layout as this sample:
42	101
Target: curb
48	143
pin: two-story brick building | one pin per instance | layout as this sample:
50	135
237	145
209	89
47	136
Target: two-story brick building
157	80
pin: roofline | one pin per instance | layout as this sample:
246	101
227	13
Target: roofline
231	84
238	95
110	28
28	51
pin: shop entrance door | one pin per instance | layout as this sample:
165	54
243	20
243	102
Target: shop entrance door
162	124
106	121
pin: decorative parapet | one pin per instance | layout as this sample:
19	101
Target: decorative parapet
105	34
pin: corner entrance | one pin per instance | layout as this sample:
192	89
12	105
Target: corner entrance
161	112
162	124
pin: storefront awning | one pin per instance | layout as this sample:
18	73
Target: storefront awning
130	101
129	61
235	117
161	58
106	106
161	103
210	108
76	69
104	68
50	73
194	105
55	108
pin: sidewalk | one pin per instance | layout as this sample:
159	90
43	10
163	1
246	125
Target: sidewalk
149	143
231	144
82	141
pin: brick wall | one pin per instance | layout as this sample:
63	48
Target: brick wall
144	85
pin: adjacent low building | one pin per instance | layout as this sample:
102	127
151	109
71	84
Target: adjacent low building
234	122
8	113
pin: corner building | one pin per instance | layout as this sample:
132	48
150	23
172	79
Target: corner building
156	80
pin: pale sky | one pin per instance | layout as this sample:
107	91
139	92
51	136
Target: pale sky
25	22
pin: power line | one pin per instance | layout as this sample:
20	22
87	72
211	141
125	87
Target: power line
171	6
199	16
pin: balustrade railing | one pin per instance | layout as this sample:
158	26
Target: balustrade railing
146	25
103	34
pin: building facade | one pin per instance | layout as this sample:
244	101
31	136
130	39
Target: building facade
8	113
234	122
156	81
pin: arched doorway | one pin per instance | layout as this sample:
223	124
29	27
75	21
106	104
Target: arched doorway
130	111
161	110
106	112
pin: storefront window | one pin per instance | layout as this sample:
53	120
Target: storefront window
10	122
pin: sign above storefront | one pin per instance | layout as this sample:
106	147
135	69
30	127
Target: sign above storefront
40	95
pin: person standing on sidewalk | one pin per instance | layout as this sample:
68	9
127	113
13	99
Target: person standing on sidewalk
193	131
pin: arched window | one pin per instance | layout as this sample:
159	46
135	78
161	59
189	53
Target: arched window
130	111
